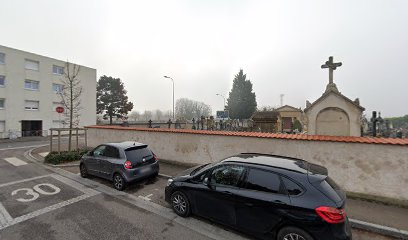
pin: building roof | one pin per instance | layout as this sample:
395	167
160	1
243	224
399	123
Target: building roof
288	107
42	56
333	90
283	136
265	115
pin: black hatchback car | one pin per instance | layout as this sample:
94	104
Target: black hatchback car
121	163
271	197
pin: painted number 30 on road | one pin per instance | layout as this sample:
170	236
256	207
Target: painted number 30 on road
34	193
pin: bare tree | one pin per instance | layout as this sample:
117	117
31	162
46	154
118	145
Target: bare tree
190	109
266	109
168	114
158	114
147	115
71	96
134	115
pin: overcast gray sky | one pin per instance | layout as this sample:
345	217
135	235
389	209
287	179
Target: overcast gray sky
280	45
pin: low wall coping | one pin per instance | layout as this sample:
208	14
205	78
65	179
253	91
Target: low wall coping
302	137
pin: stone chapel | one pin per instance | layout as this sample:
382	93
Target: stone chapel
333	113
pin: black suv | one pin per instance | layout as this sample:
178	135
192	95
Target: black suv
271	197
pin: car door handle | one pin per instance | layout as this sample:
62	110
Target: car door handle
228	193
279	202
249	204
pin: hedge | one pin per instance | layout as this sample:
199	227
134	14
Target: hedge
64	156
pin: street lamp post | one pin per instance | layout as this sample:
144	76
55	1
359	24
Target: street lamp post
173	93
222	97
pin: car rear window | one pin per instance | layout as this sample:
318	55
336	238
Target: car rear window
330	189
138	153
292	188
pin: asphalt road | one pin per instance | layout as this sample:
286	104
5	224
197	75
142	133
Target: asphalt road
43	203
37	203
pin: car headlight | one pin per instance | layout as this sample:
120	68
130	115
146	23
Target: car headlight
169	181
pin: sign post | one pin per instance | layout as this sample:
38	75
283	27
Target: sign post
59	110
223	114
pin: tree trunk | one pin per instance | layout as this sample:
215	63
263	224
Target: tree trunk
70	118
110	119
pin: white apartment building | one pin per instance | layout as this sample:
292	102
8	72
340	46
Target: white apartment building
29	93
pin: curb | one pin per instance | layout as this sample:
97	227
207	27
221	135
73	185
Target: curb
370	227
165	176
49	164
383	230
63	165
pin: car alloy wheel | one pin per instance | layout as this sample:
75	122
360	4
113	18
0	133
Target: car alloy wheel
293	233
293	236
180	204
118	182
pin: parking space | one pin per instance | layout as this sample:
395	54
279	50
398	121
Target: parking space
151	189
29	196
24	199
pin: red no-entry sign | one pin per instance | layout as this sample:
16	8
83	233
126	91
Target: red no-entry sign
59	109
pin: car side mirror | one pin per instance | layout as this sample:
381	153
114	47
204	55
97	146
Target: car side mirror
91	153
207	183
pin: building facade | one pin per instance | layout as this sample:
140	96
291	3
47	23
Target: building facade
334	114
30	87
288	115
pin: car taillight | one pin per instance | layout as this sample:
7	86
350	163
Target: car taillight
155	157
128	165
331	214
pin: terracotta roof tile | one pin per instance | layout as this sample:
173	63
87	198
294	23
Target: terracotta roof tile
348	139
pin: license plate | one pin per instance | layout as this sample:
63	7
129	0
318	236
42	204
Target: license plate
144	170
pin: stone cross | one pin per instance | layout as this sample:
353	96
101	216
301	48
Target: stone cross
331	66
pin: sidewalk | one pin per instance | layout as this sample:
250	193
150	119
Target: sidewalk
385	216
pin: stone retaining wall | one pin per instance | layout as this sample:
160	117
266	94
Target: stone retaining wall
363	165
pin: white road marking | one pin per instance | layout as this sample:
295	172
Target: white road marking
6	220
45	210
43	154
147	197
32	146
4	216
15	161
24	180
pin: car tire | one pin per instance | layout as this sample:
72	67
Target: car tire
119	182
155	175
83	171
180	204
288	233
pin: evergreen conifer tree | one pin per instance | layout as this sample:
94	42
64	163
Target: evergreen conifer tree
241	100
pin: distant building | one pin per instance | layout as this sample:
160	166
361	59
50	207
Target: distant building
29	93
288	115
265	121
